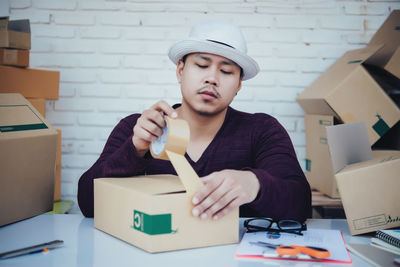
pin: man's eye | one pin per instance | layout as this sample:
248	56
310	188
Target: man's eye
226	72
201	66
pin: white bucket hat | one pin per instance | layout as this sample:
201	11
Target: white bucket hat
219	38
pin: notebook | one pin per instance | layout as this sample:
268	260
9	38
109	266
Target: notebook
390	236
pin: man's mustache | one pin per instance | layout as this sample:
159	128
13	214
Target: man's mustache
208	87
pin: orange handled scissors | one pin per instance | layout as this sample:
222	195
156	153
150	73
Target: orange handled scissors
314	252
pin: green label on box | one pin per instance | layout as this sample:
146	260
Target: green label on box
308	165
325	122
380	127
152	224
354	61
16	128
323	140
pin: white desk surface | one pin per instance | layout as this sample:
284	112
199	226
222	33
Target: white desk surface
86	246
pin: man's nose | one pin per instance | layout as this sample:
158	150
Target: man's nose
212	77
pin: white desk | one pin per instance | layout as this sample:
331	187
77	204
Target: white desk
86	246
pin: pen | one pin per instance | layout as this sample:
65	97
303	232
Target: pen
32	249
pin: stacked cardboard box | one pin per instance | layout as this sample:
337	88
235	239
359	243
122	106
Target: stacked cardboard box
362	85
357	87
16	76
28	145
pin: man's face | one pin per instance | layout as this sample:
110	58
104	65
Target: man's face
208	82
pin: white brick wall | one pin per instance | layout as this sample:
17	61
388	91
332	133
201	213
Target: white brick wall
113	62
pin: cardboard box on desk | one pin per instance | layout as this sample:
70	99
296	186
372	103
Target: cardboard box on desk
32	83
347	91
319	170
28	147
14	57
368	180
15	33
154	213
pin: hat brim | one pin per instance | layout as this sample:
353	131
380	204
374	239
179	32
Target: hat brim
181	48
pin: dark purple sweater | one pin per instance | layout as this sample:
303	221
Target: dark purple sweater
255	142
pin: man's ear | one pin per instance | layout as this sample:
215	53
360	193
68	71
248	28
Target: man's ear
239	86
179	69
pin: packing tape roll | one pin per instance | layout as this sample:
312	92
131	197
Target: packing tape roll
171	145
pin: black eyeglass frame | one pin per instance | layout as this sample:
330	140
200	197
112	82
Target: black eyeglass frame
256	228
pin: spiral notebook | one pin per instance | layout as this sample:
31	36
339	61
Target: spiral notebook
389	236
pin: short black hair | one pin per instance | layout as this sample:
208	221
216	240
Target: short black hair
185	57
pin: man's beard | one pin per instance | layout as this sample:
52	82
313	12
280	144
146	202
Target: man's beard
203	112
217	94
209	114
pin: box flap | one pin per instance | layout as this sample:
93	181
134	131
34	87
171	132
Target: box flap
336	73
388	34
18	115
378	158
149	184
348	143
386	155
393	66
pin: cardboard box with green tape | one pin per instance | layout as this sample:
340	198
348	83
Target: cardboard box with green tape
154	213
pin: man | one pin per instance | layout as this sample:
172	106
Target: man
245	160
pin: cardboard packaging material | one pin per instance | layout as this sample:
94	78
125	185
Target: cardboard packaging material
14	57
319	170
28	147
368	188
39	104
154	213
57	180
15	33
390	141
31	83
389	82
393	66
349	92
389	35
370	193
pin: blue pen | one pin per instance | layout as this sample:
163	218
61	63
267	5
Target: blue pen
32	249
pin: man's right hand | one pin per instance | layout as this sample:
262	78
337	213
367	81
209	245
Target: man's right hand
149	126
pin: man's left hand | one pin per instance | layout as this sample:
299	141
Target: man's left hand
223	192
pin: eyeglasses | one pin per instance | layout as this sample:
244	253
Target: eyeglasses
265	224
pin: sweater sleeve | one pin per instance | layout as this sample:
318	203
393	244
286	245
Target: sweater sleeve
118	159
284	190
